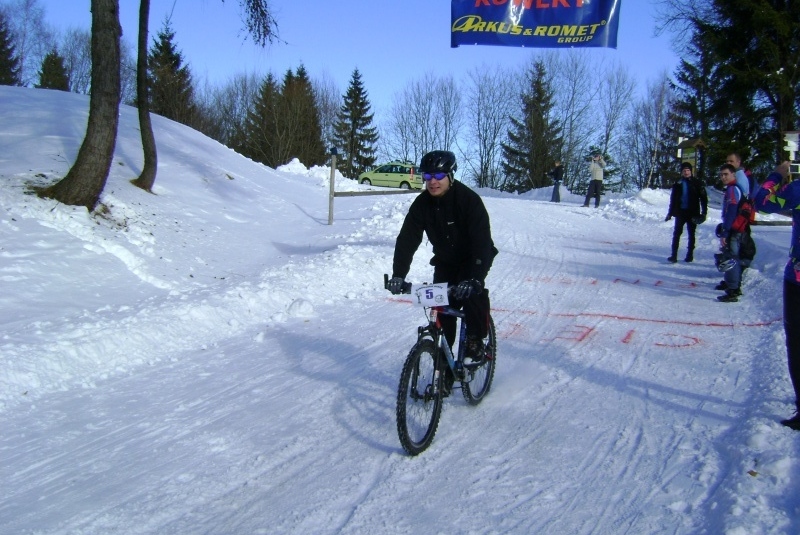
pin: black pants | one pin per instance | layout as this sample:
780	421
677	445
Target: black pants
680	221
476	307
791	326
595	189
556	196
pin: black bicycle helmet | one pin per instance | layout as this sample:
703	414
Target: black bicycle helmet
438	161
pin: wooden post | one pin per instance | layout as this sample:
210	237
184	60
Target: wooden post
333	183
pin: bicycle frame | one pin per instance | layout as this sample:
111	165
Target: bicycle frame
435	331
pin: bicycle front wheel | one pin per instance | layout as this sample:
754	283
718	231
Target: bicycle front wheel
419	398
480	379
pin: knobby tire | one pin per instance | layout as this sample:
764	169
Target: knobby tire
419	398
480	382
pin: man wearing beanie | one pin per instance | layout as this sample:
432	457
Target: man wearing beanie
688	204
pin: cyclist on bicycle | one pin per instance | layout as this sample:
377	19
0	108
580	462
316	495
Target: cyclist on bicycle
457	225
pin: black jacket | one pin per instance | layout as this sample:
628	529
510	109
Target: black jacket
698	199
457	225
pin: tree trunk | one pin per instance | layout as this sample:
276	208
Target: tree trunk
148	176
86	179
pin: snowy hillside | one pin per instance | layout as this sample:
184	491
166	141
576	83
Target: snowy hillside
216	358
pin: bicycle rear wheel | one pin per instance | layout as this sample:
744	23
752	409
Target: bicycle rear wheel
419	398
480	379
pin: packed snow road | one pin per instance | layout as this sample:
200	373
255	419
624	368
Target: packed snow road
616	387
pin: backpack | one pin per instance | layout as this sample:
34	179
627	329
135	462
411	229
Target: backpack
747	248
745	214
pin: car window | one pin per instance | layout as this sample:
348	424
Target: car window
384	169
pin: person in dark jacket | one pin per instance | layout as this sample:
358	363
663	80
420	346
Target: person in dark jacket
457	225
556	174
688	204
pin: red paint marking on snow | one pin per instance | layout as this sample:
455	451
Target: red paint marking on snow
693	341
619	317
628	337
643	320
615	281
579	334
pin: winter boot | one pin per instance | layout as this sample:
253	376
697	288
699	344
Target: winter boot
722	286
672	259
689	256
731	296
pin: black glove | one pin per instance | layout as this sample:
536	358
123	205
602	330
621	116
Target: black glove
467	288
395	285
719	230
669	216
699	220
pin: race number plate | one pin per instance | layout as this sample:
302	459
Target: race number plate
429	295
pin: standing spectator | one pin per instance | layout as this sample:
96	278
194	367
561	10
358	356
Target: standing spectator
730	241
556	174
596	167
688	204
744	178
777	194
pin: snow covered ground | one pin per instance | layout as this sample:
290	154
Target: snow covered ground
216	358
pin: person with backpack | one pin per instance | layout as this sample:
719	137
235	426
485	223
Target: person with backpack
730	237
456	223
688	204
779	193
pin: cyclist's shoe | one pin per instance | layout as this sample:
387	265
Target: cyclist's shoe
476	352
721	286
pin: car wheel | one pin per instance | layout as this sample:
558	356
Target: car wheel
405	185
366	182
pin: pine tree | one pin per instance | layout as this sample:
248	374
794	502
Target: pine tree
9	61
353	132
53	74
302	119
170	81
263	141
534	140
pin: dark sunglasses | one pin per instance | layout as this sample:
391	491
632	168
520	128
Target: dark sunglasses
437	176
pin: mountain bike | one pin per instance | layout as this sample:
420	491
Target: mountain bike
424	381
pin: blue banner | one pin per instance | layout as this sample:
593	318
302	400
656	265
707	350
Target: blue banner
535	23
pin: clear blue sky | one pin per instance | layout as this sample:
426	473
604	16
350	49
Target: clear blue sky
391	42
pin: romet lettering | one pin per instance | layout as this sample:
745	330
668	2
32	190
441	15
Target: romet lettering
567	30
540	4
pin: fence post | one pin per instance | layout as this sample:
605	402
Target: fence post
334	152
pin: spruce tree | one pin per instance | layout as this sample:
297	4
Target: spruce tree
302	119
534	140
9	61
170	81
262	140
354	133
53	74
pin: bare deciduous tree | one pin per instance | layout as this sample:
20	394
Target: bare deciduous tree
33	38
577	84
492	98
425	116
